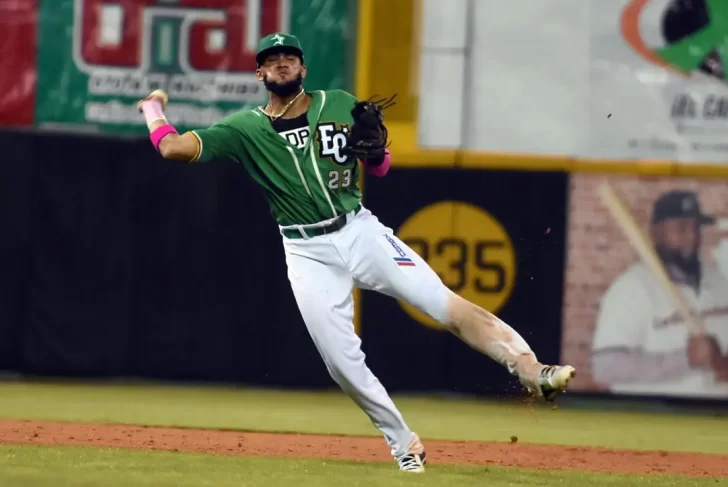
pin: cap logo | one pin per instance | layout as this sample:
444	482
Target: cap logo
278	40
687	204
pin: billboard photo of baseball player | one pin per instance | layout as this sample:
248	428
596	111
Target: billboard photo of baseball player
306	150
639	343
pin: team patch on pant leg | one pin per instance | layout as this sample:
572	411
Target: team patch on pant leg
395	251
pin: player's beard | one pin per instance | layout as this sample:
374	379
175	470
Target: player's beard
285	89
688	265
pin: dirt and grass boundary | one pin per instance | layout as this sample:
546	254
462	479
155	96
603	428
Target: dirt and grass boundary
366	449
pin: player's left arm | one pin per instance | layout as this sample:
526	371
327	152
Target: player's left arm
367	140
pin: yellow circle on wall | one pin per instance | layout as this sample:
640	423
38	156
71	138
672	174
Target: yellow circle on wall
468	248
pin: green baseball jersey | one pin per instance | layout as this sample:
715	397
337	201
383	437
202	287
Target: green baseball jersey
300	168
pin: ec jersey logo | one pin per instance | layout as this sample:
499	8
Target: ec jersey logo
331	139
200	50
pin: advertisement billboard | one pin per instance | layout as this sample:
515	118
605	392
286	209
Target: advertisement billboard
587	79
646	313
659	68
97	58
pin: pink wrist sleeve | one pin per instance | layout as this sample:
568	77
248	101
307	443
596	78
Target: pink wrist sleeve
381	169
159	133
153	111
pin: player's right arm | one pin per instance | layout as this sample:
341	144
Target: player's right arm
218	141
176	147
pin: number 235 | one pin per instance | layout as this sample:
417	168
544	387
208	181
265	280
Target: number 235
462	266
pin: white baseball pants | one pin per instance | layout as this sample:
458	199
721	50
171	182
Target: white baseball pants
323	271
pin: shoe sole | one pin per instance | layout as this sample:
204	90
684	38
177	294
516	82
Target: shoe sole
420	466
562	378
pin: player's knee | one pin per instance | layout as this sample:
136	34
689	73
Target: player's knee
336	369
350	377
345	367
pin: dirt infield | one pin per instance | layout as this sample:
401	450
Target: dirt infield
361	449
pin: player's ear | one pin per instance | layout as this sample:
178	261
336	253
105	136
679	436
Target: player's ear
303	71
259	74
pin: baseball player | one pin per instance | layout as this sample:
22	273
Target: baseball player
307	151
641	344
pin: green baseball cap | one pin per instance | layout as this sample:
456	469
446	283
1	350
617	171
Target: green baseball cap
278	42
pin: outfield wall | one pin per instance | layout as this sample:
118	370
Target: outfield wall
117	263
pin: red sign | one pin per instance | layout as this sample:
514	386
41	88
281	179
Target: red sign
17	62
238	23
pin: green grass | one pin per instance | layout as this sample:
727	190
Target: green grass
334	413
77	466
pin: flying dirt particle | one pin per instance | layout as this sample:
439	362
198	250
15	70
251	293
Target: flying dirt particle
514	439
609	116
